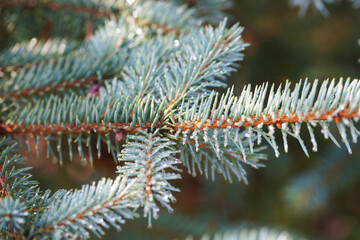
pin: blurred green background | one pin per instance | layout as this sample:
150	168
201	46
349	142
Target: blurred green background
317	197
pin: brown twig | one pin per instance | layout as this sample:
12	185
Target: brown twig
230	122
67	128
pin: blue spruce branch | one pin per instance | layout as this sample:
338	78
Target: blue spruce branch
151	77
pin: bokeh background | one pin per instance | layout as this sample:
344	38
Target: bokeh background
316	197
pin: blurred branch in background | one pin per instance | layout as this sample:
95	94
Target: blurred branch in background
335	172
320	5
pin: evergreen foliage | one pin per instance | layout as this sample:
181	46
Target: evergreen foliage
147	157
151	80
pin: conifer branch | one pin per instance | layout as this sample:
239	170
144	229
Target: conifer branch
204	64
33	52
108	200
105	54
285	109
146	158
81	118
267	120
28	213
14	182
106	110
69	214
220	44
